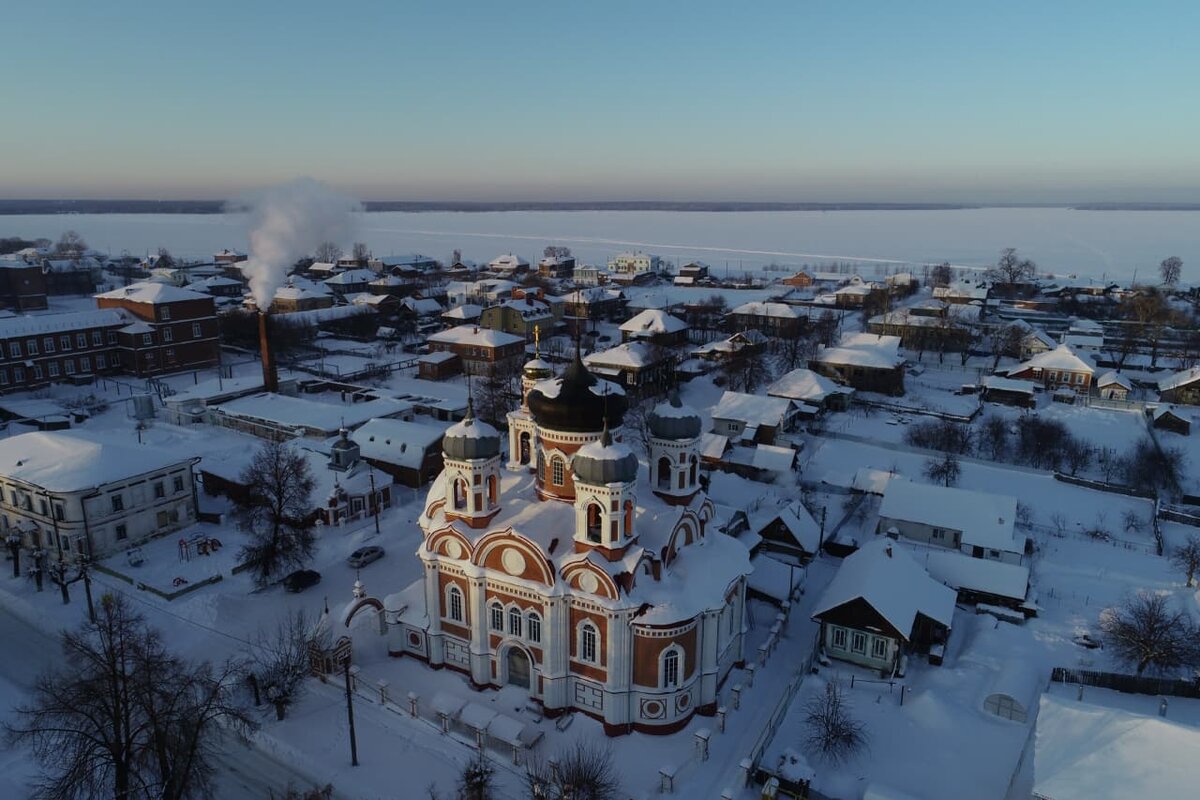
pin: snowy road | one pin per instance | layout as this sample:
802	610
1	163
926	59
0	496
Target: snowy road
242	772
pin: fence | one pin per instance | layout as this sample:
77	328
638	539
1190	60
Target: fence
1102	538
1102	486
1130	684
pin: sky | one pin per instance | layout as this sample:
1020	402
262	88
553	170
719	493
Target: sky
795	100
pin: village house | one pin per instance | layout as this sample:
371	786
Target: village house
508	264
280	417
556	266
70	494
410	452
801	280
407	264
175	329
771	319
218	286
22	285
352	281
864	361
629	265
1114	386
805	387
584	308
438	366
481	293
949	330
483	351
1164	417
785	528
724	350
576	582
227	256
300	294
641	368
1183	387
391	285
468	313
980	524
752	418
1061	367
655	326
519	317
881	605
692	273
1008	392
586	275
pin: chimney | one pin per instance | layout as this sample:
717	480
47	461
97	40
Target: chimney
270	375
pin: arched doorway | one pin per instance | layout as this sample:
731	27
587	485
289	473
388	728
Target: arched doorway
518	667
524	448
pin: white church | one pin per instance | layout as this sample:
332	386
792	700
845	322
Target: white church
571	573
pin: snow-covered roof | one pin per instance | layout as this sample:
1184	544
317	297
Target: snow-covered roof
507	262
752	408
805	385
864	350
395	441
773	578
653	321
1089	752
776	310
62	461
1181	378
794	516
351	276
1003	384
297	412
53	323
465	311
1060	358
436	358
153	293
1160	411
473	335
368	299
423	305
960	571
712	445
1114	378
136	328
886	577
984	519
635	355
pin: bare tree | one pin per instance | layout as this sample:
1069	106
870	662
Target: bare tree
1144	631
941	275
70	245
124	718
456	256
585	771
557	251
1170	270
165	259
1077	455
1186	558
477	780
993	437
1005	340
275	510
944	470
292	793
831	727
1152	468
361	253
637	428
327	252
1011	268
746	369
279	660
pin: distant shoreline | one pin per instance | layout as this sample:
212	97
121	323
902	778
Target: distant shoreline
68	207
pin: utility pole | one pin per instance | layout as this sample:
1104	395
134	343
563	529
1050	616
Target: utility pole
375	501
350	716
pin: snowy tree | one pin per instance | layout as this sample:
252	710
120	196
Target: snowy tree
1170	270
1011	268
122	717
944	470
279	660
941	275
70	245
1186	558
1147	633
328	252
275	511
831	727
583	772
557	251
476	781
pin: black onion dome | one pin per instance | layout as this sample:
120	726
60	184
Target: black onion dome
582	403
471	438
604	462
674	420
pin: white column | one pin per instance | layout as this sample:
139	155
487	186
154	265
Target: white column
481	670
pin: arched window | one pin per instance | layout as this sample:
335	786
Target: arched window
593	523
629	518
558	471
669	668
524	448
682	479
460	494
454	603
497	614
534	626
682	458
514	621
589	639
491	490
664	473
695	466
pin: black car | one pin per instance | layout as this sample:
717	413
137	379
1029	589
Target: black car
301	579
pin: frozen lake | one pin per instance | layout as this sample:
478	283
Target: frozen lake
1060	240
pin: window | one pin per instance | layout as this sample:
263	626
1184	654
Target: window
196	332
81	340
670	669
112	337
18	374
455	603
64	342
48	344
53	365
159	490
839	638
179	483
31	347
37	372
558	471
166	312
3	377
69	366
42	506
497	617
59	512
101	361
97	339
122	533
147	339
14	349
167	335
588	636
534	627
85	364
858	643
879	647
118	503
514	621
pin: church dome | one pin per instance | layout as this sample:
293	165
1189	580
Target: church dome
603	462
471	438
673	420
537	368
577	402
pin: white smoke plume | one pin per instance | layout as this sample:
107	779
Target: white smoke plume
287	222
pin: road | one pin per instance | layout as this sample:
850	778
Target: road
242	772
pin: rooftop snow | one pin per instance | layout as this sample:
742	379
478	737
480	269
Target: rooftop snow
1181	378
805	385
66	462
395	441
14	326
472	335
653	321
1060	358
864	350
630	354
985	519
776	310
960	571
752	408
153	293
296	412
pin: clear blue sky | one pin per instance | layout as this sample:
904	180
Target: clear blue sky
791	100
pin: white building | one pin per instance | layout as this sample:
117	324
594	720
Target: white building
979	524
634	263
70	493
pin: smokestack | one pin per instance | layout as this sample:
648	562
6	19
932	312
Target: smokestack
270	375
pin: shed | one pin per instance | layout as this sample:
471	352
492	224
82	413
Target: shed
1166	418
1015	691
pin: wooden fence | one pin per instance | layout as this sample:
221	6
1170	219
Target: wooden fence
1130	684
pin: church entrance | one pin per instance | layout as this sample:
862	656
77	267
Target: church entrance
525	448
518	668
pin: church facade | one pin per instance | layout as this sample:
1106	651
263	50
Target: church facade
568	573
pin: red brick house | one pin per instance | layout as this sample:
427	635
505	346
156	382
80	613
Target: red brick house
176	329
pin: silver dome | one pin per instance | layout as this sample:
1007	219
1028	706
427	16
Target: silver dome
674	420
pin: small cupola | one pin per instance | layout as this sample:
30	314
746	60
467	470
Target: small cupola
471	439
344	453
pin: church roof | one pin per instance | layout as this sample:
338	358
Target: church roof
577	402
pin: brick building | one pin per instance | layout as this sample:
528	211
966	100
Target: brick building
173	329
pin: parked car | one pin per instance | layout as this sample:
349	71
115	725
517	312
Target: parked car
301	579
364	555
